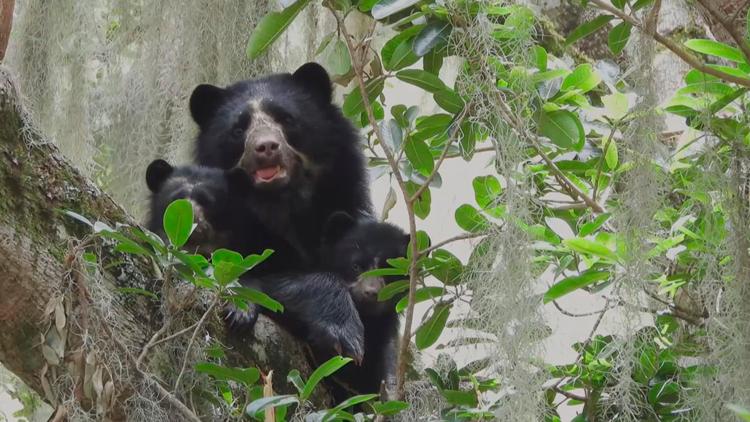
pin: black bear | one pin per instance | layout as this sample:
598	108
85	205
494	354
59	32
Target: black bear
303	157
315	303
210	191
304	162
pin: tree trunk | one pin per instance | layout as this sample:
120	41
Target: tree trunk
48	302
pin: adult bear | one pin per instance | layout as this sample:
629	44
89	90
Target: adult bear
304	162
302	156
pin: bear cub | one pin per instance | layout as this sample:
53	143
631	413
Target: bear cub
351	248
210	191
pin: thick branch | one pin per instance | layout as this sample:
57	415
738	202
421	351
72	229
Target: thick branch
34	268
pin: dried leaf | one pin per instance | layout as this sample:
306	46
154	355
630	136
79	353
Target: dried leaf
46	387
268	392
60	318
97	381
50	355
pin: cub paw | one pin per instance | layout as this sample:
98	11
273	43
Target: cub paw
347	339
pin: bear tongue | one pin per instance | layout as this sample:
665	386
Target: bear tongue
267	173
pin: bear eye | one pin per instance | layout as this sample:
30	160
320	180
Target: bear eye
356	268
238	131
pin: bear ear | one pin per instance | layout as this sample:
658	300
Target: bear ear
156	173
315	79
336	225
204	101
238	181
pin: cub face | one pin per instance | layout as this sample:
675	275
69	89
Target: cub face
278	129
351	248
211	192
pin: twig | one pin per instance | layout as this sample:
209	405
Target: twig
192	339
601	161
730	27
567	184
476	151
455	130
568	394
589	337
672	46
463	236
574	315
151	343
413	270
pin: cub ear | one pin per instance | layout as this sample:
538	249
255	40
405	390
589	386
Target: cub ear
238	181
156	173
336	225
315	79
204	101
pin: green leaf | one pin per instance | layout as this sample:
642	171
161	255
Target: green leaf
436	124
616	105
419	156
590	247
540	58
563	128
261	404
619	3
574	283
433	34
446	267
353	104
588	28
132	247
258	297
423	203
433	61
618	37
610	155
336	58
582	78
352	401
389	48
429	332
460	398
379	272
271	27
449	101
487	189
392	289
392	133
295	378
421	295
326	369
389	408
403	56
137	291
385	8
469	219
640	4
246	376
589	227
422	79
366	5
178	222
715	48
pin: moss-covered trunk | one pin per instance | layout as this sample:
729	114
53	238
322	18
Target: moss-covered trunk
47	308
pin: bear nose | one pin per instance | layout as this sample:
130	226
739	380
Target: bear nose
266	147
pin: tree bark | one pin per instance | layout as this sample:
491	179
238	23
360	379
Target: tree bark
37	268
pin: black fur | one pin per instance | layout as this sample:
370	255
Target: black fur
211	192
336	312
351	248
303	159
319	149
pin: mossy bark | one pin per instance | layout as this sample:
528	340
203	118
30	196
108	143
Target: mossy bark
35	255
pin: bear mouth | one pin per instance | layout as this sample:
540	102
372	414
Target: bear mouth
269	174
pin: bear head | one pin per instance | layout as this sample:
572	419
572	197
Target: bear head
279	129
210	191
351	248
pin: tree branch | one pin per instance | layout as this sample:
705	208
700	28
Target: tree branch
728	24
672	46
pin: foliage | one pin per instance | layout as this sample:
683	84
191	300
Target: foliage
578	164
